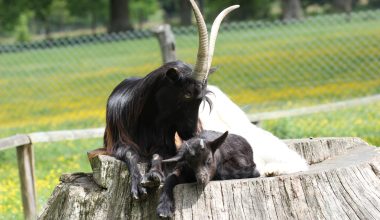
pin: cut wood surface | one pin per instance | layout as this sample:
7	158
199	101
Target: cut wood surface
343	183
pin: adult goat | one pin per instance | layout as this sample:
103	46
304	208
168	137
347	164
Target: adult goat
143	114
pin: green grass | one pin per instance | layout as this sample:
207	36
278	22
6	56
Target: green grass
264	68
52	159
361	121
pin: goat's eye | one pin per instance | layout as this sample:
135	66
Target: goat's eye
208	162
187	95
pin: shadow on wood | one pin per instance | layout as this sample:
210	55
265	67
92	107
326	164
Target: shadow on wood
343	183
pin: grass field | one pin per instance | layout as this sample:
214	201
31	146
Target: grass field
262	67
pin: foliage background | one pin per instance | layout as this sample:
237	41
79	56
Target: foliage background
263	66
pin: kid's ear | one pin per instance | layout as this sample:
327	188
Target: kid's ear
178	141
215	144
173	74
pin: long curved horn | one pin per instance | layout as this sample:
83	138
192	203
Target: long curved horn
199	72
176	158
214	34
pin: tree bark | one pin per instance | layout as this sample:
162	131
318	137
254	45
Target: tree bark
291	9
93	22
185	13
345	6
343	183
119	16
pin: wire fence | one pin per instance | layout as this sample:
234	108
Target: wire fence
262	66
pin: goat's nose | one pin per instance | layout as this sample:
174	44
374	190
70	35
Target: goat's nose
202	183
202	180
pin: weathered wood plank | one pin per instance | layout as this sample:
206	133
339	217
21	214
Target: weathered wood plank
14	141
25	160
53	136
313	109
50	136
344	184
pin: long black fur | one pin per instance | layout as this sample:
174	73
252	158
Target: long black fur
143	115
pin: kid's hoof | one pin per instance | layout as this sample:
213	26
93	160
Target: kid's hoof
164	210
164	216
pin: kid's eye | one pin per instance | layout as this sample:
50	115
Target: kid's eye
208	161
187	95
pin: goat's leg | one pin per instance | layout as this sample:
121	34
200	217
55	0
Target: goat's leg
165	206
155	176
130	157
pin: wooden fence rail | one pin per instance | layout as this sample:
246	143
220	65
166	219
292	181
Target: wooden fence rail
25	159
314	109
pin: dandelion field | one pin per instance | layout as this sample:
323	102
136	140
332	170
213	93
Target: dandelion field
261	67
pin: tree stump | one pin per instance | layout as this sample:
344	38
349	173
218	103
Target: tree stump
343	183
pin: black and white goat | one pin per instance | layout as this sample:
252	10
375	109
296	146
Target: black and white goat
209	156
272	156
143	114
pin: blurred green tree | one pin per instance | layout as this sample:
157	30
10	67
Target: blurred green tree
119	16
10	12
42	12
374	3
96	10
174	9
249	9
22	30
142	9
291	9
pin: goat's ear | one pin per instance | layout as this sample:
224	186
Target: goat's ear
212	70
178	141
173	74
215	144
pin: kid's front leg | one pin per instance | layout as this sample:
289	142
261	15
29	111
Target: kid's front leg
165	206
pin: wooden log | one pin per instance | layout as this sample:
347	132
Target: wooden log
343	183
25	160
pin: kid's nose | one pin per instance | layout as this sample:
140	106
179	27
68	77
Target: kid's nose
256	173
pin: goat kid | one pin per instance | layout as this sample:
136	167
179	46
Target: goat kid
209	156
143	114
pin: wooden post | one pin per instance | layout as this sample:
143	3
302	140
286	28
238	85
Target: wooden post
25	160
166	39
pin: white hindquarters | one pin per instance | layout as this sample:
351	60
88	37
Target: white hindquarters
271	155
